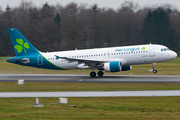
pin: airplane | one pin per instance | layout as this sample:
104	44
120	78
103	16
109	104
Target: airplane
112	59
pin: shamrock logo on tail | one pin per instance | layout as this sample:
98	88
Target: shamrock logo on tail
22	46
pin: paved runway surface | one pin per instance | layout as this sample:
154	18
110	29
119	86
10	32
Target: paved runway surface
86	78
92	94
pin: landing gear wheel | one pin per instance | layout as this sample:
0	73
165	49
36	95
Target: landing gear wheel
93	74
154	71
100	73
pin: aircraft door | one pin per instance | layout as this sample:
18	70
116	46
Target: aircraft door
151	51
40	60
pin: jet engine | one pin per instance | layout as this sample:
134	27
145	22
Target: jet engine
126	68
112	66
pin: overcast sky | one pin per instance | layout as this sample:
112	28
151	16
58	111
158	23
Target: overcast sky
101	3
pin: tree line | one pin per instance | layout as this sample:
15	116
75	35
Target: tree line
58	28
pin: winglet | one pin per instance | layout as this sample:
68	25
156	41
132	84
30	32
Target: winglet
57	57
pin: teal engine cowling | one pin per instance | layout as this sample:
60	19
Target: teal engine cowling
113	66
116	67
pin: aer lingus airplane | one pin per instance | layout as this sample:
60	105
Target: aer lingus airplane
112	59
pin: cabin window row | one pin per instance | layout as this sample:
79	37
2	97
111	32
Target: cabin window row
95	55
128	52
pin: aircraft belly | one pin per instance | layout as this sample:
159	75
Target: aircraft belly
66	65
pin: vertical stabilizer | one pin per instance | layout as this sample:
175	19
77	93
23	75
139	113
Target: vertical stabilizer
20	44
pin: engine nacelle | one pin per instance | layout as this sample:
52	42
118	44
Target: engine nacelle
112	66
126	68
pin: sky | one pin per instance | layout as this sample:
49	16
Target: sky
101	3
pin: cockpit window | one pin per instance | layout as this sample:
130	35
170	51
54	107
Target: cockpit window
164	49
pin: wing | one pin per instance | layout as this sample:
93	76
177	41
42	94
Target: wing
88	62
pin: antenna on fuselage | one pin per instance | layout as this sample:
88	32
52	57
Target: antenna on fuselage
150	43
75	48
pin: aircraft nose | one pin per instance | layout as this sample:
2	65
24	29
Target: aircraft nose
173	54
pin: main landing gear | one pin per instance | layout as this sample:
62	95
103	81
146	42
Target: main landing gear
154	70
100	73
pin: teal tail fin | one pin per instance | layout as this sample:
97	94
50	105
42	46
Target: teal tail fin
20	44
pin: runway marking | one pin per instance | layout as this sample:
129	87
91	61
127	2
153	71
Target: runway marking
93	94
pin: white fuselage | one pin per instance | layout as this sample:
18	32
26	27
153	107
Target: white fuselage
128	55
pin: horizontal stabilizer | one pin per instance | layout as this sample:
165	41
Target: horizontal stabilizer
19	60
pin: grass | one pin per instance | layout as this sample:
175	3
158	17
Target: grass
59	86
166	68
116	108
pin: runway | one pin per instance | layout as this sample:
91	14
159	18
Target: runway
86	78
92	94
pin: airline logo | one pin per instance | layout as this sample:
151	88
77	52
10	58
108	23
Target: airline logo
129	49
143	48
21	46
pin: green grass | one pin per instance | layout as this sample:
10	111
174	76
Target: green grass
166	68
59	86
116	108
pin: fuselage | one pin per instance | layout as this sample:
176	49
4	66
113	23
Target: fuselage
128	55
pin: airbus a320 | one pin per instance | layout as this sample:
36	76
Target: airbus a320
112	59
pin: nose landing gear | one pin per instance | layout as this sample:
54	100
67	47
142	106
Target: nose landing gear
154	70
